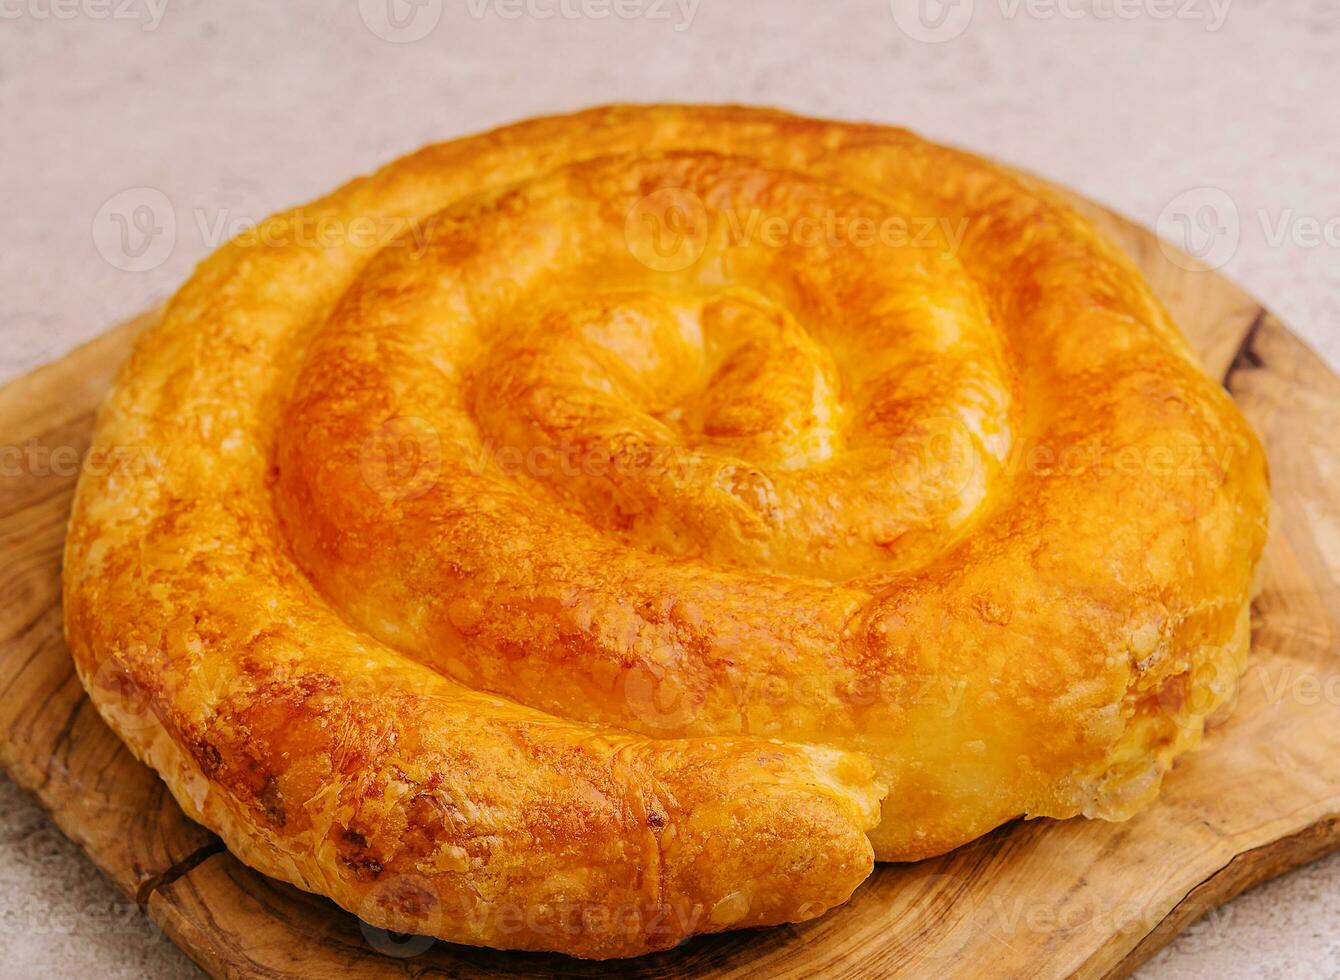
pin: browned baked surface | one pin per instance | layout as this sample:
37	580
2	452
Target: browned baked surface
598	517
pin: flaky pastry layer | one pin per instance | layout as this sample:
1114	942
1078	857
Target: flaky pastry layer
632	524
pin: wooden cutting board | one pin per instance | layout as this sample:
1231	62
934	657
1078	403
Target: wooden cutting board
1038	899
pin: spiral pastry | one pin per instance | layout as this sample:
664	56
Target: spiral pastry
633	524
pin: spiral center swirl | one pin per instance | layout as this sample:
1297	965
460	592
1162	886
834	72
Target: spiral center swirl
709	410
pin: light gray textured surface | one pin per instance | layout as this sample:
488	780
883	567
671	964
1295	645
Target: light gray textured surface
1224	112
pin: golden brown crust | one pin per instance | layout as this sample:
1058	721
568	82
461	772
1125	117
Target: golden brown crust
578	567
